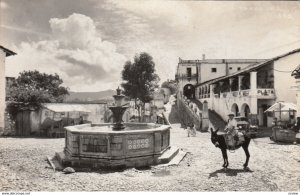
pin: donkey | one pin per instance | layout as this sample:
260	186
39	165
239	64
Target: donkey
220	142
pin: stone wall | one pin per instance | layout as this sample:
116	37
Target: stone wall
10	125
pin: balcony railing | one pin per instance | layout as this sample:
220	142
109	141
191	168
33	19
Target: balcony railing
224	95
235	93
245	93
202	96
260	93
185	77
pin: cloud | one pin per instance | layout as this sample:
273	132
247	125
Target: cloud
23	30
173	12
76	52
3	5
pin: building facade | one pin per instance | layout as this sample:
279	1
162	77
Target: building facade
3	54
193	72
252	90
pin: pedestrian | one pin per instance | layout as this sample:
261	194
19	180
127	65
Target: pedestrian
191	130
81	120
297	125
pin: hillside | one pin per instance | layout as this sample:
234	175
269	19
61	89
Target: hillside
90	96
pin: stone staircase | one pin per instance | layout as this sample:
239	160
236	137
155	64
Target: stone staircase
216	120
198	103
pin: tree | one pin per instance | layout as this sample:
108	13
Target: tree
140	79
170	85
32	88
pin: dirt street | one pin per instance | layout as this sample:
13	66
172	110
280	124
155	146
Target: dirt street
274	167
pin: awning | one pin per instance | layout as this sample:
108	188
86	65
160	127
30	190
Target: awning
282	107
65	107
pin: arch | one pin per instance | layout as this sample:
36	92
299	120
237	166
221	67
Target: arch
189	91
245	110
235	109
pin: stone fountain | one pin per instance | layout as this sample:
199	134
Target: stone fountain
118	111
118	144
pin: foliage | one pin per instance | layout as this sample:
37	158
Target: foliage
235	85
217	88
225	87
140	78
32	88
170	85
245	82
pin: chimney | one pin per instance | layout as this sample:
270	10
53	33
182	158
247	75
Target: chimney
203	56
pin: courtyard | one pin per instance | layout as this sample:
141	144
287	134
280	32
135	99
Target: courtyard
274	167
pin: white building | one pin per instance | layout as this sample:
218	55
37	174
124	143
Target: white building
192	72
3	54
253	89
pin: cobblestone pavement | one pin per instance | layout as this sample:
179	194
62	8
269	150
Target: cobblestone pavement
23	167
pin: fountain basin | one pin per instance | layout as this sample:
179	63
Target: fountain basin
96	145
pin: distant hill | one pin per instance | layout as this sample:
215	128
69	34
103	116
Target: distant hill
95	97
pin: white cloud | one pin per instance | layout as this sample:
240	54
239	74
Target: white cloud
3	5
173	12
76	52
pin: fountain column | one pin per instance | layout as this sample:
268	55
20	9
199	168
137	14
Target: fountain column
118	111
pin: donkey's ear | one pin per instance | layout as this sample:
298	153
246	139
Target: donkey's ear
211	130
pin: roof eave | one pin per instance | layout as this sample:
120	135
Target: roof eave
7	51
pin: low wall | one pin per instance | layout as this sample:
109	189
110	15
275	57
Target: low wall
189	114
116	148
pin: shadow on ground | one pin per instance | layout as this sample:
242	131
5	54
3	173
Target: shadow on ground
229	172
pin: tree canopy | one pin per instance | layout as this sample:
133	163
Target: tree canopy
170	85
140	78
33	88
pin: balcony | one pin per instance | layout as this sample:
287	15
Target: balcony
260	94
188	77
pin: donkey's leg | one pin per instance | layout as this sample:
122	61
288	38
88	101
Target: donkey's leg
225	157
245	147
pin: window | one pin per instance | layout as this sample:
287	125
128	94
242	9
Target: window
189	72
239	68
213	69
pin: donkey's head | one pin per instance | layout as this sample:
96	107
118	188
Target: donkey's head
214	137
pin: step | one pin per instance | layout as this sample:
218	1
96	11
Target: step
176	160
168	155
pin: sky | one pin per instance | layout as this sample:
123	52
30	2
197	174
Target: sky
87	42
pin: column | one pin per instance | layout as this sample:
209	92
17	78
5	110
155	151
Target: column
253	81
212	96
212	88
205	120
253	93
